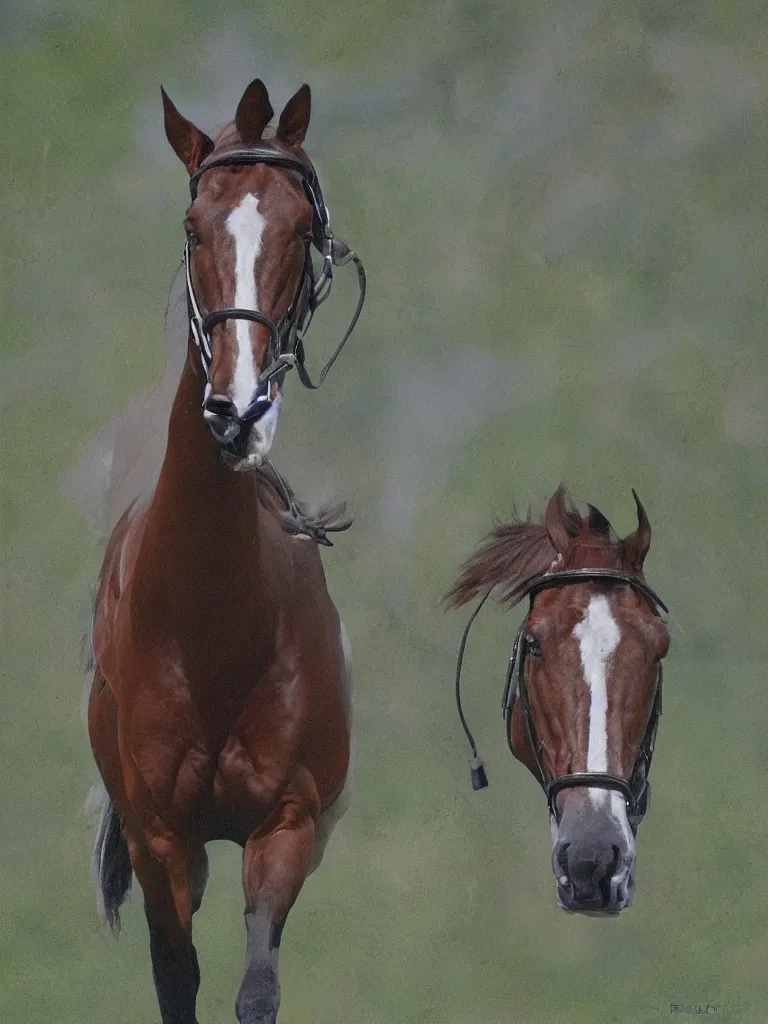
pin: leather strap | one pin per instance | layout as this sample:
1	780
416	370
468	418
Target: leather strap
557	579
263	154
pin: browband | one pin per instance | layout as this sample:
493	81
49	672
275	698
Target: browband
556	579
254	155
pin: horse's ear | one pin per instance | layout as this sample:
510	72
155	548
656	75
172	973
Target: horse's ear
254	112
294	120
562	523
189	144
636	545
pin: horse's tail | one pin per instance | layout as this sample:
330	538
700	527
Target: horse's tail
111	865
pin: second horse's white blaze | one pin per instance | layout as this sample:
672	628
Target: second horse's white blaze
598	637
246	225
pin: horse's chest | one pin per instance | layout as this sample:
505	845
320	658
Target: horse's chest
176	770
200	775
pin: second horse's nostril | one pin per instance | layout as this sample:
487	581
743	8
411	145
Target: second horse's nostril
561	856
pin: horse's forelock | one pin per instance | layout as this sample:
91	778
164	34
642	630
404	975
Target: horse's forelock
220	131
516	552
510	556
226	134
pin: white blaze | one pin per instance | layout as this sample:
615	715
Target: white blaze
598	637
246	225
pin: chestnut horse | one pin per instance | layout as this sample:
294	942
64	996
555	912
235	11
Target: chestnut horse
220	700
583	690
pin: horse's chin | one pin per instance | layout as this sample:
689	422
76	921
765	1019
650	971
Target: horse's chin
257	449
593	913
259	443
244	464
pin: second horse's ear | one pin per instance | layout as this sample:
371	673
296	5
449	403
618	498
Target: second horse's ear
561	521
294	120
637	544
189	144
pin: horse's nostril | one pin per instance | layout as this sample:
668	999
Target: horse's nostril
221	416
220	405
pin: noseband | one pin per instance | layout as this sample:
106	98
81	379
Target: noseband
636	791
286	337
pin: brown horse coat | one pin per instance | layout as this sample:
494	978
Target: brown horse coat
220	703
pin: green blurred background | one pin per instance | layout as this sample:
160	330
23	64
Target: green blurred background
564	215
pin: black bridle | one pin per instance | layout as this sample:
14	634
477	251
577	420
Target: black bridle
636	791
286	337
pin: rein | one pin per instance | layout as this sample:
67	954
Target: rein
286	337
636	791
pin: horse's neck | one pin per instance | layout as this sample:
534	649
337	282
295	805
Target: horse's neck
203	534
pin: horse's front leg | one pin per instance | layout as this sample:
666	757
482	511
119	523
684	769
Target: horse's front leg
275	863
173	879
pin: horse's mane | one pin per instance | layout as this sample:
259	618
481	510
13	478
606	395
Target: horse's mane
518	551
122	464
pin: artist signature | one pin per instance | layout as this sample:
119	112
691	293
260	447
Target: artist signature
694	1009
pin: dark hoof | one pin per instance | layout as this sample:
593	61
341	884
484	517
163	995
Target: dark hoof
259	998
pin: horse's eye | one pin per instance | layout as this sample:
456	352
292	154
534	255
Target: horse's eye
532	645
192	237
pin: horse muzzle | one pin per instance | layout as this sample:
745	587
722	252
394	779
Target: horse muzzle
593	861
230	430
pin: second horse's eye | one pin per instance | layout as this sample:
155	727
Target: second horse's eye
532	645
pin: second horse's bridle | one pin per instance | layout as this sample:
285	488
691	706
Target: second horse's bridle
286	337
636	790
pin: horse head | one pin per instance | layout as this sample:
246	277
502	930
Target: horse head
584	687
249	274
